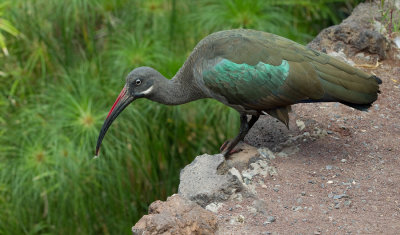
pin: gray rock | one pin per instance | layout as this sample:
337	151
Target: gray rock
361	56
340	196
137	231
266	153
300	124
234	172
397	41
252	210
355	34
214	207
328	167
297	208
270	219
238	197
259	167
199	181
267	132
347	203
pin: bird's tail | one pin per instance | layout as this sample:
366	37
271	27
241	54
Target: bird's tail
348	85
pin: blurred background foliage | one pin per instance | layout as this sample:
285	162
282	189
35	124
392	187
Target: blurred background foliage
63	63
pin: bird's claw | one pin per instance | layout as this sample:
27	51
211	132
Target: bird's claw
224	149
224	146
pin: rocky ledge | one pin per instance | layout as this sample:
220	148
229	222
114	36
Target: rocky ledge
319	176
210	180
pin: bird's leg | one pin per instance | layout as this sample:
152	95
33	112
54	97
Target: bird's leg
243	123
253	120
245	126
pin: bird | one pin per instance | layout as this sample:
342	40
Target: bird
254	72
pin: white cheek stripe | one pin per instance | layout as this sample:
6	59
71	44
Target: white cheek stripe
147	91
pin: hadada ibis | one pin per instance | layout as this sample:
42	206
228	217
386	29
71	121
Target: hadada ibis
254	72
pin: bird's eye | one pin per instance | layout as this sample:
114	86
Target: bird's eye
138	82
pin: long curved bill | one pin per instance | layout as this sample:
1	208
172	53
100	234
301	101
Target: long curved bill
119	105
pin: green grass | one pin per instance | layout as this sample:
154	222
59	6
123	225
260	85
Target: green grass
65	64
390	17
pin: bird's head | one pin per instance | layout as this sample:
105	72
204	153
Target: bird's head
140	83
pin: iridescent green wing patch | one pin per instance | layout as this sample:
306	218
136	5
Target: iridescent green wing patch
246	84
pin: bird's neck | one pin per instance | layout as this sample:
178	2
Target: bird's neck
178	90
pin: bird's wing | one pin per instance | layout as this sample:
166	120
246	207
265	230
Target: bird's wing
259	75
262	71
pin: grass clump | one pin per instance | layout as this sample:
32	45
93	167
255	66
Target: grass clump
65	67
390	17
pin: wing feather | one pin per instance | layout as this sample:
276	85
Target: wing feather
312	75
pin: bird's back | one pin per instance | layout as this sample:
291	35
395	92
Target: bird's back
257	71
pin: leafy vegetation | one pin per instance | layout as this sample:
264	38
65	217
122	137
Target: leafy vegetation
5	26
62	66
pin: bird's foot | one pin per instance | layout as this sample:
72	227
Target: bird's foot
225	146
